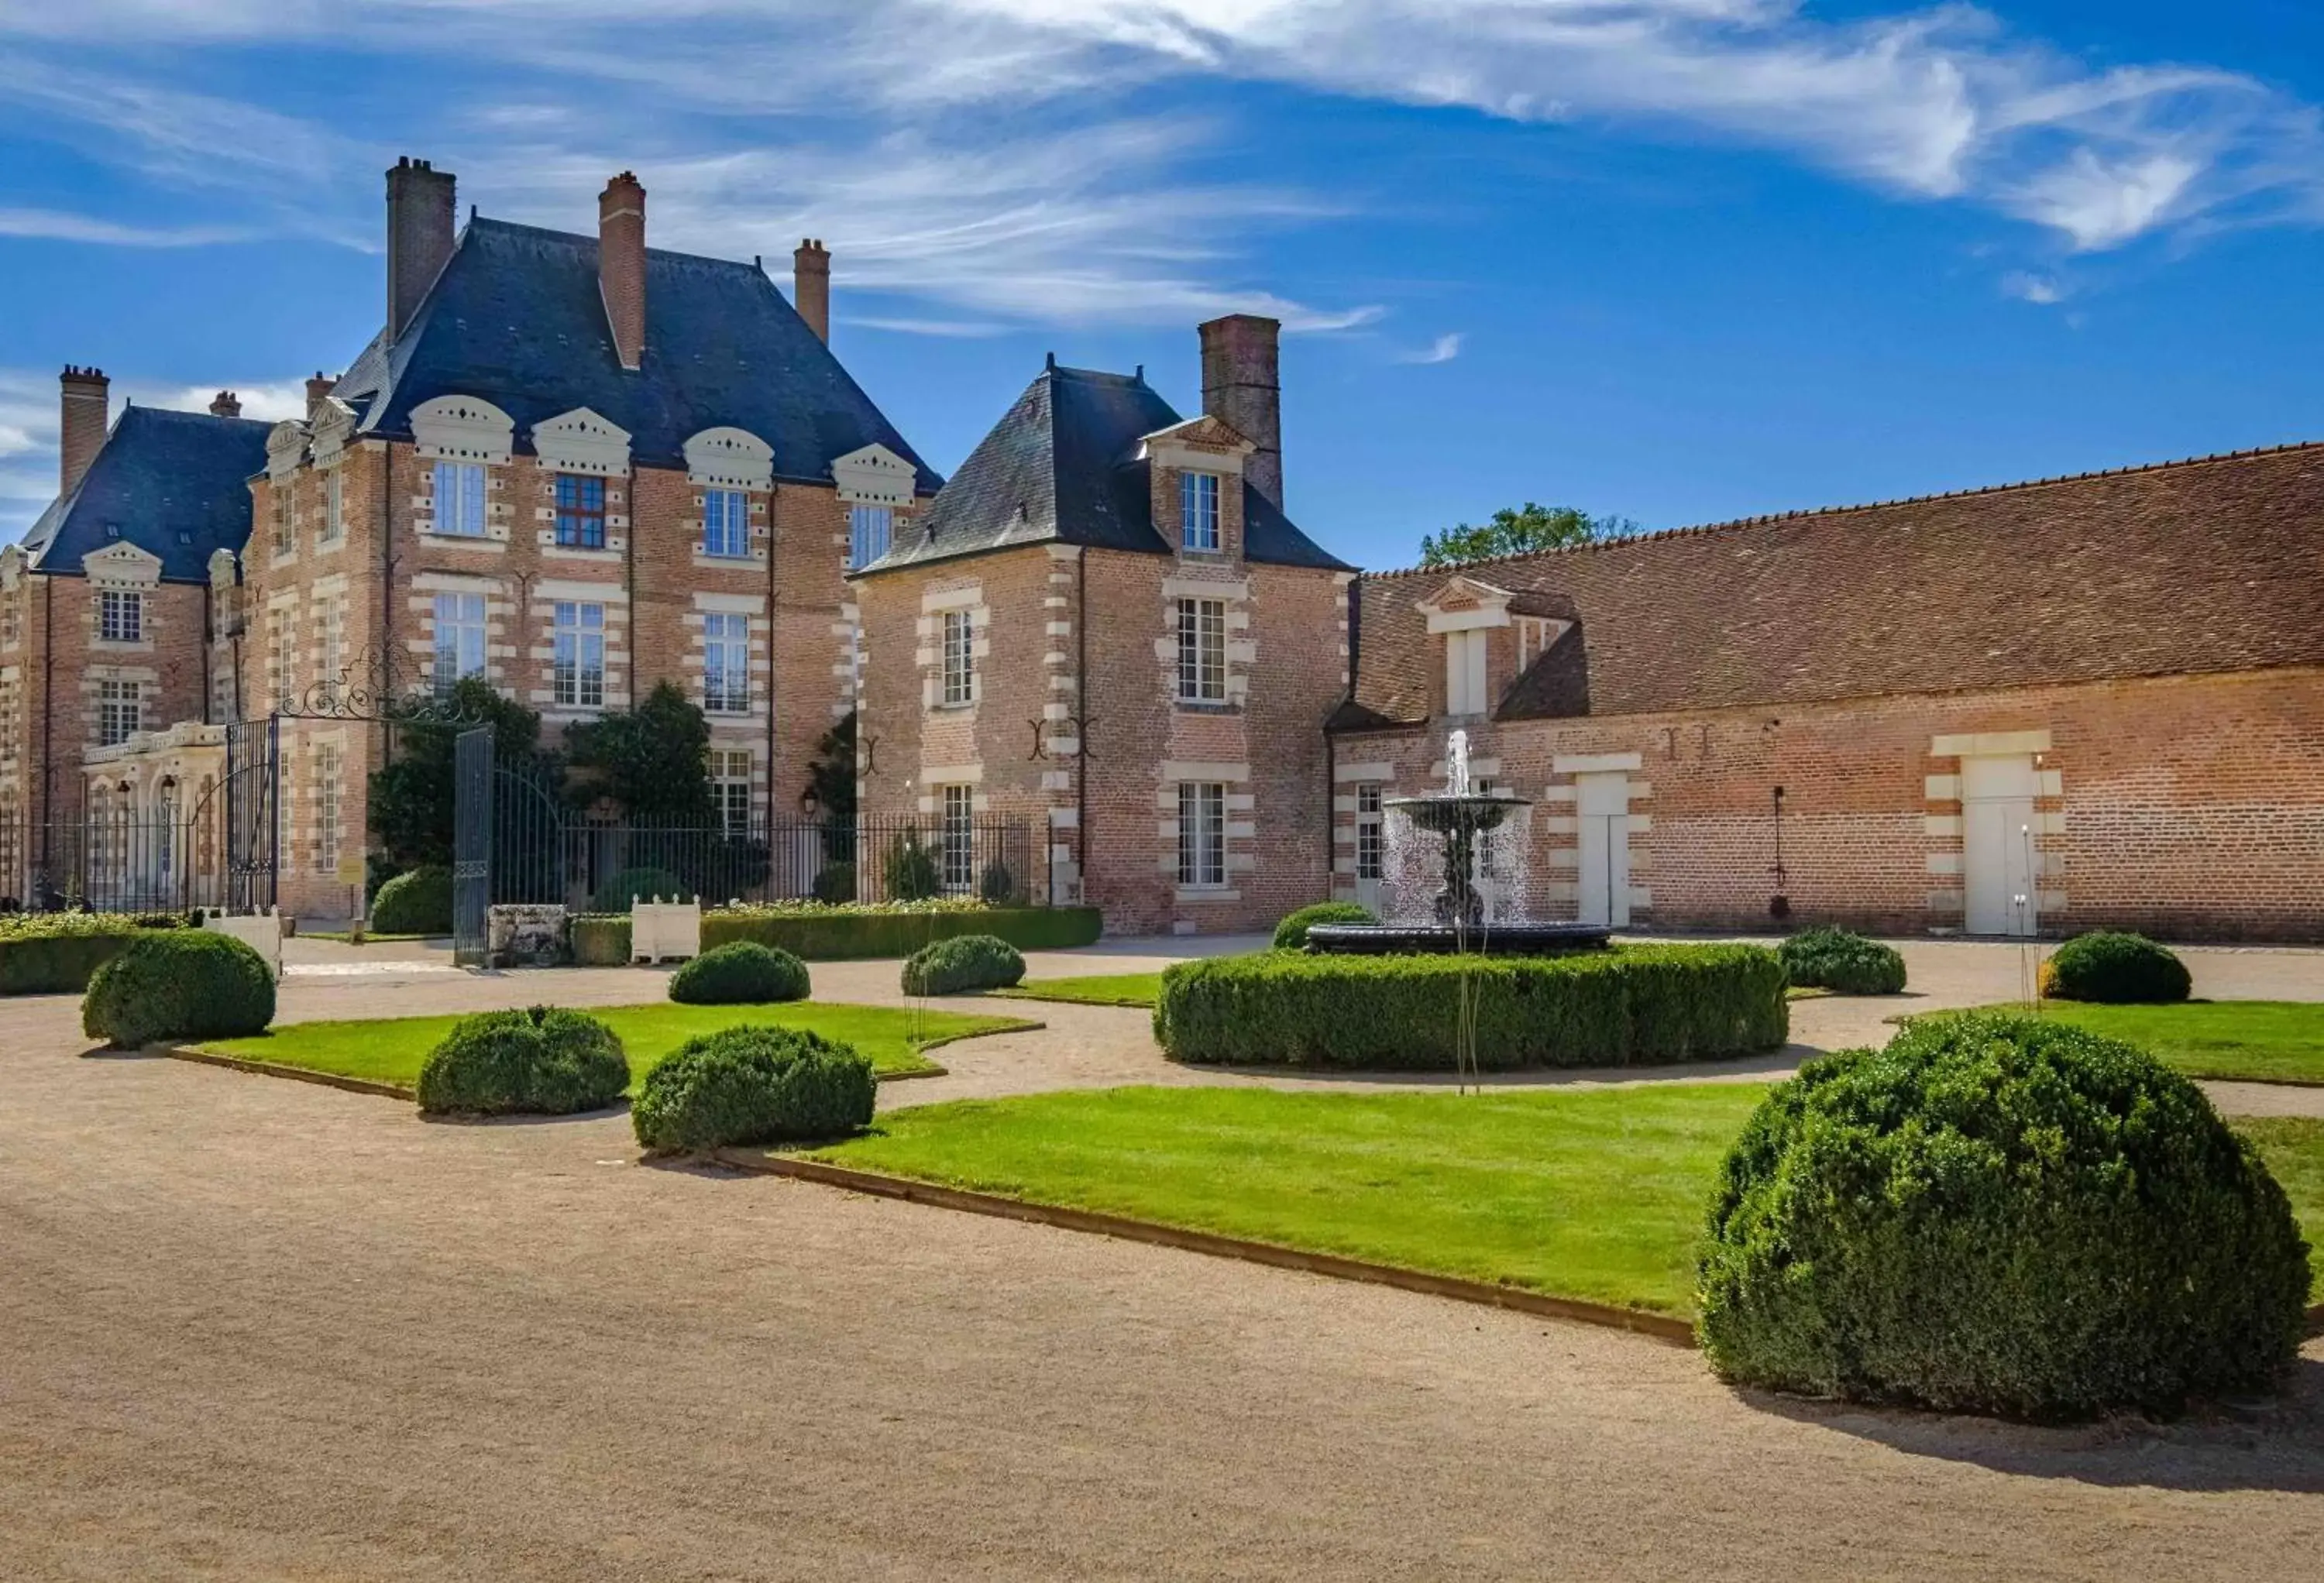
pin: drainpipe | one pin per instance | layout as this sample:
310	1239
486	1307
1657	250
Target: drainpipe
1081	726
47	714
774	593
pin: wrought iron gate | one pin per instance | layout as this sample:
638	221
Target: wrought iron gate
253	813
472	843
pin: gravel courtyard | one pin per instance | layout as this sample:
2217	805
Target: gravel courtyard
260	1329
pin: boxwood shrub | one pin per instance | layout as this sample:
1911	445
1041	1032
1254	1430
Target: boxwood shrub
618	894
600	939
744	974
814	932
964	962
1999	1214
540	1062
1635	1004
418	903
753	1085
1842	962
1291	933
2117	968
178	984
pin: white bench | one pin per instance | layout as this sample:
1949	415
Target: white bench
663	930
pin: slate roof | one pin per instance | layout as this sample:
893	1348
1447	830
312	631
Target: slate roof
2206	566
517	318
1062	467
175	483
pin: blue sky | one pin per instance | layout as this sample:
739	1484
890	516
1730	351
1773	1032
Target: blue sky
1678	260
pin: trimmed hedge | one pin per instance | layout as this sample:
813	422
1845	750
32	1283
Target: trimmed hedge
964	962
753	1085
1631	1004
1842	962
1291	933
178	984
540	1062
814	934
2114	969
418	903
744	974
618	894
36	961
600	939
1999	1214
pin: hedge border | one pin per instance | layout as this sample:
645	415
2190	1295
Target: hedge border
603	939
82	955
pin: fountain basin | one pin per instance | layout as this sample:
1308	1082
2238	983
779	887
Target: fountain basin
1444	940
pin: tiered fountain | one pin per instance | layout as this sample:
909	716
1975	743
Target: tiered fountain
1437	848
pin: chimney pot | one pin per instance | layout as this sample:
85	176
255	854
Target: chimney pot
318	390
1242	386
84	412
811	287
621	266
225	404
420	211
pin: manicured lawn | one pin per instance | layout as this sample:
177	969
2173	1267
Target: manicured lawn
2293	1149
2266	1041
392	1050
1588	1193
1092	990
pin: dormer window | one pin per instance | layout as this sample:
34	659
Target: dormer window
460	499
580	510
726	523
1198	512
870	530
1464	672
121	617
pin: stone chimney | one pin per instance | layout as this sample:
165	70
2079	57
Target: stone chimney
1242	386
318	390
84	408
622	264
811	287
226	404
420	237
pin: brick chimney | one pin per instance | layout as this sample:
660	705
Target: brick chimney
811	287
622	264
1242	385
84	408
318	390
420	237
225	404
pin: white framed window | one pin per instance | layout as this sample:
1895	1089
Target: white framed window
1533	639
959	659
1371	834
957	853
284	539
460	499
726	663
119	710
327	807
333	621
120	616
730	788
726	523
870	530
282	662
1464	672
335	506
1202	651
459	639
580	655
1198	511
1201	833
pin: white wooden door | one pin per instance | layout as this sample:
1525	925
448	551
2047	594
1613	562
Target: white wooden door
1997	843
1603	807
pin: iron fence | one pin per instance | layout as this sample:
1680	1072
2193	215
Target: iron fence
114	863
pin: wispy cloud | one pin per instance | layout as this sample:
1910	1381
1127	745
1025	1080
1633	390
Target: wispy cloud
2042	290
1443	349
56	225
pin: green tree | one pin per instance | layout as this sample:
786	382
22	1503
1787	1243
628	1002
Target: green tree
412	797
652	762
832	776
1522	530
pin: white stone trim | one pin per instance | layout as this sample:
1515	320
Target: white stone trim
1596	764
952	774
286	448
1177	769
454	583
1369	771
943	599
463	429
749	604
552	588
726	457
1983	744
122	565
874	475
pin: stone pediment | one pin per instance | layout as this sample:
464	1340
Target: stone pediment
122	563
1202	432
1460	602
729	458
461	428
874	475
582	441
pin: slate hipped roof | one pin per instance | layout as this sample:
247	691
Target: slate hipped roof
2209	565
1063	467
517	318
176	484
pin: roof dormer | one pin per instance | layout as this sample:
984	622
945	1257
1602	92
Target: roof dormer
874	475
580	441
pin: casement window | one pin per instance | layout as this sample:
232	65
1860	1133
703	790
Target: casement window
119	710
327	807
1202	651
1464	672
335	506
282	662
726	523
1371	834
1201	833
1533	638
1198	511
959	659
332	620
460	499
957	847
121	617
284	543
870	530
730	788
11	623
580	655
459	639
726	663
580	510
